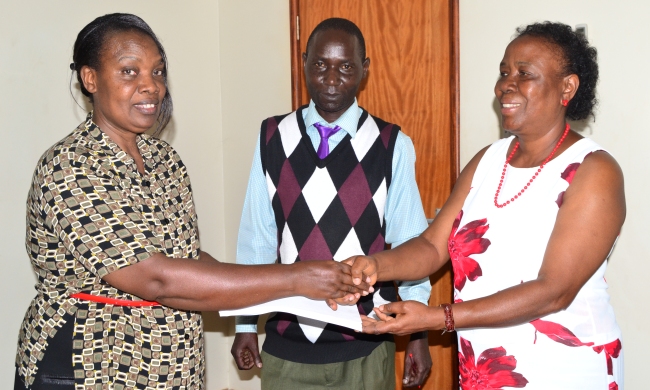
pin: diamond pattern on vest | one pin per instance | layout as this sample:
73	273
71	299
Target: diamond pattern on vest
288	248
302	171
290	138
355	194
330	208
349	247
342	166
319	193
334	224
377	246
290	188
315	247
311	328
380	198
271	126
375	177
367	229
365	139
299	216
270	187
385	134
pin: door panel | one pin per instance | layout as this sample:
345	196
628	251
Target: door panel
412	81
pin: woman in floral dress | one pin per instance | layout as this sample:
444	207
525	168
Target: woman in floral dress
528	229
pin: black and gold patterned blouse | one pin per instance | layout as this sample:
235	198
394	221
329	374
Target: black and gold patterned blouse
89	213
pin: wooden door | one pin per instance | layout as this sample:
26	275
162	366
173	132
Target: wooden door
413	81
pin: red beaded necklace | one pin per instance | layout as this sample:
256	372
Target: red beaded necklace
505	166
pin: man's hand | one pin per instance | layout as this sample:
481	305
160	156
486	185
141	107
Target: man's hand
417	363
246	351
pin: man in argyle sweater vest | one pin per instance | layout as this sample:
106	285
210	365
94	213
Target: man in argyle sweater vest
307	205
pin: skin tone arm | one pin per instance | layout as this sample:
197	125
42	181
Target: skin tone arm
587	225
207	284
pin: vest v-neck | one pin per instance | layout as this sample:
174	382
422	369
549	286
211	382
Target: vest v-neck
342	145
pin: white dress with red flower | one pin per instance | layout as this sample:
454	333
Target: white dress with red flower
492	249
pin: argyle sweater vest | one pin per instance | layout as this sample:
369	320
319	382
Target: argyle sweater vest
327	209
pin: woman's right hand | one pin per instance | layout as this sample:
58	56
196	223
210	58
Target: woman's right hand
364	269
329	280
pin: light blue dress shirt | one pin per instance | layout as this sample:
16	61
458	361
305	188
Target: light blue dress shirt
257	240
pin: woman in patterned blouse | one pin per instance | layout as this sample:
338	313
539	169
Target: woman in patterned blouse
111	221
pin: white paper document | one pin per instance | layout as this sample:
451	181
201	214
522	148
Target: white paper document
347	316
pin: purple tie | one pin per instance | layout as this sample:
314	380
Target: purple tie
325	133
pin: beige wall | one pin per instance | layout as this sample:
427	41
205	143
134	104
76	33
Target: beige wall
619	30
229	69
256	84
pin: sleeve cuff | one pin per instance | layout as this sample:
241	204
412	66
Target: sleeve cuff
246	324
419	290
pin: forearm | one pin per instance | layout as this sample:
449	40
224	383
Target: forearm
513	306
207	284
204	284
413	260
211	285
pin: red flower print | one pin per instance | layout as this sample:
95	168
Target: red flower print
560	199
613	386
464	242
569	172
492	371
558	333
567	175
612	350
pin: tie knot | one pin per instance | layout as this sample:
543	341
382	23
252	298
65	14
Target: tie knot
325	131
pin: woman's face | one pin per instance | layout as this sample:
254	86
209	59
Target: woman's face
129	86
530	85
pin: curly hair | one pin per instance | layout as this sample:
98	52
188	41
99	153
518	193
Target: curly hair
90	43
579	58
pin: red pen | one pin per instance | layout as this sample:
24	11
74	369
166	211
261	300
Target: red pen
414	367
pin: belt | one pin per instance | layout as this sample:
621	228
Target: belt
113	301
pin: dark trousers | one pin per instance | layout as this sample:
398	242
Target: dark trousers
55	371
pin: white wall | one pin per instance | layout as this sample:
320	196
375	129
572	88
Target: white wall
619	30
256	84
229	69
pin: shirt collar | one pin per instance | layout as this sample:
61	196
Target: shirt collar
348	121
110	147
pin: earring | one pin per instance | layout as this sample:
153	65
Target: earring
564	102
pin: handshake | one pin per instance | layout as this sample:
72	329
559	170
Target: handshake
338	283
344	282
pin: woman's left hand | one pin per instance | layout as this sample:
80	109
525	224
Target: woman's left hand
411	317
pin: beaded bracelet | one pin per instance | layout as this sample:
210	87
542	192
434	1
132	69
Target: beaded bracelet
449	318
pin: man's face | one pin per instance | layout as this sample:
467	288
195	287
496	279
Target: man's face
334	70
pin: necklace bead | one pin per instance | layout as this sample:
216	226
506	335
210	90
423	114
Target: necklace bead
505	167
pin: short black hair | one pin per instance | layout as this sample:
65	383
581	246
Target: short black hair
339	24
579	58
90	43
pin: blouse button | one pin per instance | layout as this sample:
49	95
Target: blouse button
187	336
164	221
146	183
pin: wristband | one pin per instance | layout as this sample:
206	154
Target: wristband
449	318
